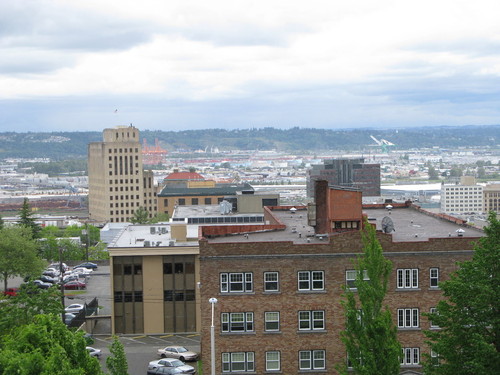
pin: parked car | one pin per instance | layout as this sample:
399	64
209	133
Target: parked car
172	362
71	277
57	266
87	265
48	279
41	284
74	308
164	371
10	292
93	352
82	270
179	352
50	272
75	285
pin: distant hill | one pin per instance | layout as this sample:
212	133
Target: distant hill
69	145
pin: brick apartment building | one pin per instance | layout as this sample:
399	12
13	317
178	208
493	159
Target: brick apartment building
279	285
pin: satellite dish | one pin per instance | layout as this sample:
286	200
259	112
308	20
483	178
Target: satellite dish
387	225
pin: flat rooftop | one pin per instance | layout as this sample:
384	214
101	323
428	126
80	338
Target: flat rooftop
409	225
143	236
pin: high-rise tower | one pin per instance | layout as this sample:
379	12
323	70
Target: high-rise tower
117	183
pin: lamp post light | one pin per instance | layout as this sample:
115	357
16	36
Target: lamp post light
212	301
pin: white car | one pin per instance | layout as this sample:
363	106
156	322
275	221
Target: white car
81	270
179	352
93	352
74	308
172	362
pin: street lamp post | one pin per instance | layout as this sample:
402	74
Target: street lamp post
212	301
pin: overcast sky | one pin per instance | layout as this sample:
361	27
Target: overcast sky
192	64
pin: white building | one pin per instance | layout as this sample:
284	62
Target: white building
462	198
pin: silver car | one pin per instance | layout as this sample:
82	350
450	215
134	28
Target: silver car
179	352
172	362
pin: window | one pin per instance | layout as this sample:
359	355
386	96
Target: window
237	322
311	320
208	200
312	360
194	201
434	277
311	280
408	318
411	356
408	278
273	361
350	278
434	358
433	310
238	362
236	282
181	202
271	282
272	321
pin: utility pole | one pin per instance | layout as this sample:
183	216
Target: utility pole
86	232
61	276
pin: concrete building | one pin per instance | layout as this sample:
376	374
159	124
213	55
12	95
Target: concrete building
279	285
492	198
462	198
117	183
352	173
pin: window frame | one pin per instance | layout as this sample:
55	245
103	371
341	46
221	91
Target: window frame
312	359
229	322
270	321
434	279
273	360
410	357
350	282
308	283
407	278
268	282
408	318
228	361
227	284
310	319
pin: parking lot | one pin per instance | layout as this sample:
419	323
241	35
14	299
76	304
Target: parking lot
139	349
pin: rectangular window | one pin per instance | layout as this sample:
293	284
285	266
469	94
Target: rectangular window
238	362
408	318
194	201
181	202
311	280
407	278
208	200
350	278
411	356
236	282
272	321
273	361
312	360
433	310
311	320
271	282
237	322
434	277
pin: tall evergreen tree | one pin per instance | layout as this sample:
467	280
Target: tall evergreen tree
26	219
468	341
370	336
141	216
117	362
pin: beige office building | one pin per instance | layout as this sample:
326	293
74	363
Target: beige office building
117	183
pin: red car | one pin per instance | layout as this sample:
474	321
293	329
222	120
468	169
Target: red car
74	285
10	292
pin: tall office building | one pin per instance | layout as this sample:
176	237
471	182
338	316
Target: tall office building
351	173
462	198
117	183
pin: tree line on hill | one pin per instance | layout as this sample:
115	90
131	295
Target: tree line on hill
73	145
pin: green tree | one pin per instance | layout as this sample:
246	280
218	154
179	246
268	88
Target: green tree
117	361
46	346
370	336
26	219
2	223
141	216
433	173
29	302
160	217
468	341
18	253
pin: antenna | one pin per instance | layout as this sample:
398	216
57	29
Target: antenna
387	225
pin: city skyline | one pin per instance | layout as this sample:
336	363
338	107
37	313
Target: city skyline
178	65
